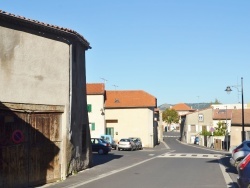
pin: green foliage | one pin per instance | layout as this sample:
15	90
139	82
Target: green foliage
216	101
221	129
206	133
170	116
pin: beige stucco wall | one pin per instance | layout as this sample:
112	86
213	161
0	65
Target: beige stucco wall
192	119
35	70
236	135
96	116
132	123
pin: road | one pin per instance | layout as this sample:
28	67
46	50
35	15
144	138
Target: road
171	164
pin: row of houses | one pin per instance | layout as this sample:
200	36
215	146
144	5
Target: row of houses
46	116
193	122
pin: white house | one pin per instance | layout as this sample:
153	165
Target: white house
96	111
130	113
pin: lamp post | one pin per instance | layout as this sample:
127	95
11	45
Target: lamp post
228	90
226	129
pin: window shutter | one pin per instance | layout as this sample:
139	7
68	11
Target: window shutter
89	106
93	126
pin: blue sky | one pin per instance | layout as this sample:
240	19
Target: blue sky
176	50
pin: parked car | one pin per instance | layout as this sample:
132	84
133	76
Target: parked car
240	152
137	142
126	144
100	145
243	169
110	140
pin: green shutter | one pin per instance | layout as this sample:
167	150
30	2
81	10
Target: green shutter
92	126
89	106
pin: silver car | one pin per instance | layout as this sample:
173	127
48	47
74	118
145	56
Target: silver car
137	142
240	152
126	144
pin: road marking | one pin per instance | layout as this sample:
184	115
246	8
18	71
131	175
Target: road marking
78	184
172	136
226	175
190	155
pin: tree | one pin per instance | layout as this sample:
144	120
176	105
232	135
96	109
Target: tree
170	116
221	129
216	101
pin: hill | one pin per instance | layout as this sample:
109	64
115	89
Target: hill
198	106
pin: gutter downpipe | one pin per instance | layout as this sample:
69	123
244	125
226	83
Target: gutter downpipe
70	89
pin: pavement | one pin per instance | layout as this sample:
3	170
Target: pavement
102	168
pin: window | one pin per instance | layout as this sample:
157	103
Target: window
193	129
89	107
201	118
110	131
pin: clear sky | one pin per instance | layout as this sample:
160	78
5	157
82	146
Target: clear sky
176	50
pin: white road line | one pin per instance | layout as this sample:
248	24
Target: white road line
78	184
190	155
226	176
166	146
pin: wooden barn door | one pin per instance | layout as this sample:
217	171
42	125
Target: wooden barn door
29	148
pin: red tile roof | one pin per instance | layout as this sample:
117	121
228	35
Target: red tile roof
237	117
95	89
182	107
129	98
222	114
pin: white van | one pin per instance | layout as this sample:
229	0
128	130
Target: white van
110	140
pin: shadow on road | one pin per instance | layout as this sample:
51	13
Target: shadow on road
101	159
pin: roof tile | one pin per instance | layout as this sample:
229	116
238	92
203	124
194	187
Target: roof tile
129	98
95	89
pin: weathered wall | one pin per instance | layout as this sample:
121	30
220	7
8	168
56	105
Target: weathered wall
79	155
36	70
33	69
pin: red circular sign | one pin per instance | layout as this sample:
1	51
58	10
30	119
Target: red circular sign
17	136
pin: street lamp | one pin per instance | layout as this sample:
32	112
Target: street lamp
228	90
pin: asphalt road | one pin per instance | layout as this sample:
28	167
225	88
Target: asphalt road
171	164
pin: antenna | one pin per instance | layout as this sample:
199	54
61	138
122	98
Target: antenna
116	99
115	86
104	80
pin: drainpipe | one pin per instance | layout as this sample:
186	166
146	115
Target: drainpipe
70	88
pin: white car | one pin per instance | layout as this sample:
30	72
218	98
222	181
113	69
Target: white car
126	144
239	153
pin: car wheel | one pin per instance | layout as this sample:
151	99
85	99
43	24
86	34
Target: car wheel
100	151
119	149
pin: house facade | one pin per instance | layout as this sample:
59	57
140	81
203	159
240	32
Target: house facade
43	106
131	114
236	126
96	96
196	122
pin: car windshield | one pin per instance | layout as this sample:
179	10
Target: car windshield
125	140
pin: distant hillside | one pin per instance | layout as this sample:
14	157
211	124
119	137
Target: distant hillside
199	106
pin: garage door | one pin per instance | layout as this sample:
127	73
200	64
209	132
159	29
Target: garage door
29	148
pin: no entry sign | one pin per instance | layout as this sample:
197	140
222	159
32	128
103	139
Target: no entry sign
17	136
